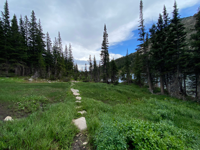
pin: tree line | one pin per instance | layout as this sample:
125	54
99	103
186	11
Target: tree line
166	57
163	55
25	50
107	70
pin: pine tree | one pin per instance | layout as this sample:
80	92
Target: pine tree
99	72
32	43
70	60
90	68
105	56
66	53
7	36
95	70
49	56
113	71
26	29
195	44
40	49
1	43
23	45
143	46
60	43
76	72
62	68
15	50
166	42
157	51
127	68
55	57
86	74
176	47
137	68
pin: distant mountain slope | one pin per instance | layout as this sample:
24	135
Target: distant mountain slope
188	22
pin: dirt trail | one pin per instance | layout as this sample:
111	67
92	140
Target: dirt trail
81	139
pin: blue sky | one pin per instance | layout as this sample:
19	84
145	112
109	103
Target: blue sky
81	22
131	44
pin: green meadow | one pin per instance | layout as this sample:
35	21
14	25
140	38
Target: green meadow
129	117
118	117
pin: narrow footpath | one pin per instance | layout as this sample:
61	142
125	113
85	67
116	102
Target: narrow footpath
80	140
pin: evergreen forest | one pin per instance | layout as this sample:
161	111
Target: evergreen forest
148	99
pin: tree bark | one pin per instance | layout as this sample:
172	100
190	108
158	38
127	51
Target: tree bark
184	88
162	84
149	79
198	88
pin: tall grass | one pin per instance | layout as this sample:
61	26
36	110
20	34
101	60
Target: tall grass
51	129
49	107
129	105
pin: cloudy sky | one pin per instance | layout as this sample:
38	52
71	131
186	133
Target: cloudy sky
81	22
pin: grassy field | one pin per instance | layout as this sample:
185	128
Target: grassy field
130	117
43	113
118	117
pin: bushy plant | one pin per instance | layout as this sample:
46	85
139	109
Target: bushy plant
31	103
66	79
138	134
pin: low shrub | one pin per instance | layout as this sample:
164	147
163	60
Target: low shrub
66	79
138	134
31	103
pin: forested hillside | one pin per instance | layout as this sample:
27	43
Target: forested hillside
25	50
189	23
168	54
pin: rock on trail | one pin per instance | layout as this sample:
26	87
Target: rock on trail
8	118
80	123
82	112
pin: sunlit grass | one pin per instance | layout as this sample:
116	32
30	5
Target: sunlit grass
106	104
49	109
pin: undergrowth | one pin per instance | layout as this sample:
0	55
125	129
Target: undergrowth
130	117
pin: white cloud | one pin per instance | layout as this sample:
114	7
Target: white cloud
81	22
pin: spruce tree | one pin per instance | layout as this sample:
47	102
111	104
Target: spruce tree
113	71
7	36
70	60
26	30
86	74
95	70
49	56
66	53
143	46
157	51
55	57
76	72
127	68
176	49
40	49
2	52
15	50
23	45
105	56
60	43
195	44
166	42
32	43
90	68
137	68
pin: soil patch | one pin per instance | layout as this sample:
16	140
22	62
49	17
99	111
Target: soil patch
6	109
79	139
